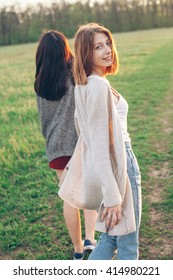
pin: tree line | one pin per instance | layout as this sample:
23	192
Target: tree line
25	25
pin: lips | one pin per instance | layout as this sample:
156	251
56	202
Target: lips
108	58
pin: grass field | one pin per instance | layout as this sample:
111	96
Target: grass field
31	221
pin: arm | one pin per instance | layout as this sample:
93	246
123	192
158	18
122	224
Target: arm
98	128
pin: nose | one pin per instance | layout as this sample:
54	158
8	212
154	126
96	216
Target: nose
107	49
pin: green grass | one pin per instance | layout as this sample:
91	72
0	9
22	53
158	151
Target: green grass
31	220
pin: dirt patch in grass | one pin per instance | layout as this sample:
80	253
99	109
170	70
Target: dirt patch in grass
161	246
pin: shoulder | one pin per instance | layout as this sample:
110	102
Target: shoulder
98	89
40	101
69	83
98	82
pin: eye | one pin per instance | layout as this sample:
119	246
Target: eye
109	43
98	47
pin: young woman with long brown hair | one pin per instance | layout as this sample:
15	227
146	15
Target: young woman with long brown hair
103	164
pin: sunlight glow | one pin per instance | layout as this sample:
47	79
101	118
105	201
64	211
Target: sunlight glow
24	3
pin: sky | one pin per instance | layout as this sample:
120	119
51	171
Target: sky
24	3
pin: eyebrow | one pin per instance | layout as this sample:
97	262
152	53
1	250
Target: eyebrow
101	42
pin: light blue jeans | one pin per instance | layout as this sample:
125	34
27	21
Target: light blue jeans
127	246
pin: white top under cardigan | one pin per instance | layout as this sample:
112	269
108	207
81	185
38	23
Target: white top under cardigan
96	176
122	108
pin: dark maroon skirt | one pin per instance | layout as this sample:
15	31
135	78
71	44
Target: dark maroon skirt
59	163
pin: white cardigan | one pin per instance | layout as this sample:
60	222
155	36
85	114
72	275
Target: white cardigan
96	176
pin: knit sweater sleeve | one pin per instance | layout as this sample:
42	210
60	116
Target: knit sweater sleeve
98	128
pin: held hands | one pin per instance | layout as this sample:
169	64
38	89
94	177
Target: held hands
111	216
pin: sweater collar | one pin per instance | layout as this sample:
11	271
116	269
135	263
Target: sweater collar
98	78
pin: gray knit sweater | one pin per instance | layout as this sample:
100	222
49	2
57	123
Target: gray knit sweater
57	124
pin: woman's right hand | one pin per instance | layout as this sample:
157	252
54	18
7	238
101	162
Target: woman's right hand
112	216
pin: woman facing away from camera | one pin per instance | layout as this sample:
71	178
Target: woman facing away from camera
103	161
54	87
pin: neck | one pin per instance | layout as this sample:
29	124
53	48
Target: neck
100	72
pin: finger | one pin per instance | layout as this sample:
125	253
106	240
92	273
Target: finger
104	214
109	219
118	217
116	220
113	221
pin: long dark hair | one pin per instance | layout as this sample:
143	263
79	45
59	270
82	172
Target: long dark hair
53	65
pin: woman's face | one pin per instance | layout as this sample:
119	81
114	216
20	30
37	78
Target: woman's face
102	53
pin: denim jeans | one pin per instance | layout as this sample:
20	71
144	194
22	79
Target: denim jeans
127	246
